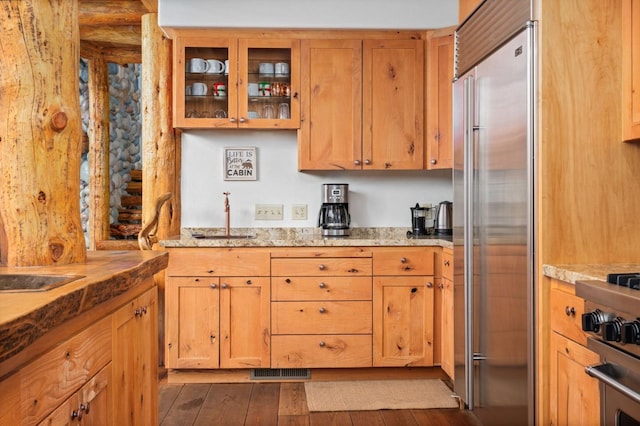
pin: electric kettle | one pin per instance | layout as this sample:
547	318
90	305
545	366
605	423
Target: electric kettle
443	222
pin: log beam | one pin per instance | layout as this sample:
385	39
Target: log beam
40	134
129	34
99	181
118	54
111	12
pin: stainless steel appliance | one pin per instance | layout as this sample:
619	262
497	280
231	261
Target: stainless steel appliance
493	114
444	216
334	215
612	321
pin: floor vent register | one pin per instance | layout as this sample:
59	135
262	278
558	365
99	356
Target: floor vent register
280	373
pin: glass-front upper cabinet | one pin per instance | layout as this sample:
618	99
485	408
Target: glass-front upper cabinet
236	83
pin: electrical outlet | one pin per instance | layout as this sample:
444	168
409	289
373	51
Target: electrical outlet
299	212
269	211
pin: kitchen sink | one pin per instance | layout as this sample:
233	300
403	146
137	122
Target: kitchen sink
13	283
222	237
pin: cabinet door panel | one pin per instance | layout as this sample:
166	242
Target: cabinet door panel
393	86
630	70
403	321
331	128
192	311
244	322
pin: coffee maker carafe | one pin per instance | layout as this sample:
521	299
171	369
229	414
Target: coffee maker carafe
334	213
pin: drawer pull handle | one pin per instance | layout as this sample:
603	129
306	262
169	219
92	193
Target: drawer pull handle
446	263
322	344
429	284
353	270
322	285
249	282
403	260
570	311
213	285
210	271
322	310
287	280
321	267
225	285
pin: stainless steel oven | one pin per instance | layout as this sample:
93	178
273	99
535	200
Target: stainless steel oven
612	321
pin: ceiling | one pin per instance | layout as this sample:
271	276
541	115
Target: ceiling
111	29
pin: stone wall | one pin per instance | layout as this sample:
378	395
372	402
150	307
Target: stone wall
124	134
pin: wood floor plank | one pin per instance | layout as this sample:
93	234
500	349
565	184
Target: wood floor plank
167	395
301	420
293	400
445	417
333	418
263	405
187	405
366	418
398	418
225	404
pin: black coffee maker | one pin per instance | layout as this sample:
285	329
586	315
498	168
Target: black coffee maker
418	222
334	213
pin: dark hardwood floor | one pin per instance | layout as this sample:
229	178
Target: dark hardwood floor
279	404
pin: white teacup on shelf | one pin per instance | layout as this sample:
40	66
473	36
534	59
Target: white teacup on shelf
282	69
266	69
198	65
198	89
215	66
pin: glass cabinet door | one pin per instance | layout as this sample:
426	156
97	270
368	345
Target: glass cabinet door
269	83
206	77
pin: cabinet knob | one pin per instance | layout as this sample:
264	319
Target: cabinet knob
429	284
434	161
321	267
322	285
440	285
322	344
570	311
242	120
322	310
367	162
210	271
446	263
249	282
85	407
403	260
225	285
357	162
287	280
212	285
232	119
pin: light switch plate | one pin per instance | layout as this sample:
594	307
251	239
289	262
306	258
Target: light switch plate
269	211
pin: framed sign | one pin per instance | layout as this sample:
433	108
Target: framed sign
240	164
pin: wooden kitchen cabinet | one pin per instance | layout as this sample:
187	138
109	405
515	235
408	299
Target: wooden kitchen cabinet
574	395
54	378
630	70
439	108
403	306
444	321
135	360
321	310
218	308
362	105
238	107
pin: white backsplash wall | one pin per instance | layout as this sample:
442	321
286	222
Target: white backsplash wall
376	198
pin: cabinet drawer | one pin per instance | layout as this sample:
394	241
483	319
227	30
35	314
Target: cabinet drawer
321	288
52	378
403	261
321	317
336	266
566	315
321	351
447	264
218	262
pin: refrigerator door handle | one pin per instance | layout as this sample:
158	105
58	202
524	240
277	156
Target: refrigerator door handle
477	356
469	128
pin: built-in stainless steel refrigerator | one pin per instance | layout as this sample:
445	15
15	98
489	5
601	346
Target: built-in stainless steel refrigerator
493	212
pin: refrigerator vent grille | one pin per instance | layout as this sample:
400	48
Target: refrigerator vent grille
489	26
280	373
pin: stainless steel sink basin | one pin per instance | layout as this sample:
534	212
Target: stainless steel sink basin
222	237
33	282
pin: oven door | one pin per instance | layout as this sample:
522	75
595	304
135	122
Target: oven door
619	376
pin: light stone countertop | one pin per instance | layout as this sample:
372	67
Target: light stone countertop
304	237
582	272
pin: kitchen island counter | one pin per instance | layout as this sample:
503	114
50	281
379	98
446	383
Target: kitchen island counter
26	318
304	237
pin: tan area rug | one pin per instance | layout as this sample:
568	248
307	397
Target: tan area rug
378	395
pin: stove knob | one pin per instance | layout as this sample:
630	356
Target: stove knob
592	321
612	330
631	332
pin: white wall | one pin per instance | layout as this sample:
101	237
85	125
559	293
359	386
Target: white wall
376	198
373	14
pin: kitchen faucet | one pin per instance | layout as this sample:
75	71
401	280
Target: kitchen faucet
227	212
